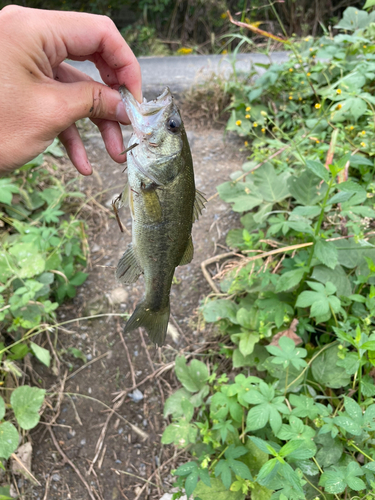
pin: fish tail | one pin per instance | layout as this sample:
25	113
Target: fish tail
154	322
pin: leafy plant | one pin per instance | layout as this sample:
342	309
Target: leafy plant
296	310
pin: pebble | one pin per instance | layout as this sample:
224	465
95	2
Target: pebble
121	430
89	357
83	442
145	423
71	434
56	477
136	396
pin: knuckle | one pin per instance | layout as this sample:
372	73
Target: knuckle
12	10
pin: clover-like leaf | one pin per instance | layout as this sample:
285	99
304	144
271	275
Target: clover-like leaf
287	353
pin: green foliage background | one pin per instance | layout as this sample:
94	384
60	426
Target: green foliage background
293	417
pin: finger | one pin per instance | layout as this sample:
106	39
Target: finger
72	141
84	99
113	140
86	34
66	73
108	75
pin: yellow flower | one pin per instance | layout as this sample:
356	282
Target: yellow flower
184	50
238	123
255	25
321	45
291	70
263	130
363	144
351	127
248	108
311	49
338	91
224	51
247	116
314	56
307	39
302	83
223	15
317	141
255	124
308	74
246	143
290	97
363	132
339	106
365	46
317	106
263	113
300	98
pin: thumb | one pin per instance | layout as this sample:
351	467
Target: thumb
88	99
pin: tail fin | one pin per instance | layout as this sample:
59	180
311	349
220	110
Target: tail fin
154	322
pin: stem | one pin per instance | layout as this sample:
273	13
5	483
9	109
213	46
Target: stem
316	234
359	382
286	380
360	451
313	486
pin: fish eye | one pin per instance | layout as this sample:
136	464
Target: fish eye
174	124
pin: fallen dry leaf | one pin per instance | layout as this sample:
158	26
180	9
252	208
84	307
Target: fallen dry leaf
290	333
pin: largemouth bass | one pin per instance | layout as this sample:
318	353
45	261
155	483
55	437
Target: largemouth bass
164	204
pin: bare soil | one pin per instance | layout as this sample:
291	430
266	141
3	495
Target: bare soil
114	444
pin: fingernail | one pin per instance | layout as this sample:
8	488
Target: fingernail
121	114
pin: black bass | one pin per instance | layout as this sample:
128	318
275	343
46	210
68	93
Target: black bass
164	204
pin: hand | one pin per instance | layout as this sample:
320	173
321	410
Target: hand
41	97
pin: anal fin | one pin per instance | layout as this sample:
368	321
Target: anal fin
189	253
199	204
128	269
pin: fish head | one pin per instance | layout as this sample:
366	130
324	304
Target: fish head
157	124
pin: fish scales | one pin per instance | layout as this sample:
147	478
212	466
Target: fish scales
163	203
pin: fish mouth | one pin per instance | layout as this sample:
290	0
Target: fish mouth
145	117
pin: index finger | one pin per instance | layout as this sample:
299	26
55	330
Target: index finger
86	34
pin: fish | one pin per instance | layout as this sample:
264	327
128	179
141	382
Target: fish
164	204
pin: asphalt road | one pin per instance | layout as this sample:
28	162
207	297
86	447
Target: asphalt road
180	72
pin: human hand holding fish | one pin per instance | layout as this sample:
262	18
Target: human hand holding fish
164	204
42	97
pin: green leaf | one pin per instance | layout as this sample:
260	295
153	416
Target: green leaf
8	439
289	280
257	417
29	259
273	187
5	493
326	252
288	353
369	4
192	377
6	190
217	491
26	402
353	19
326	372
173	405
181	433
330	452
333	481
318	169
41	353
247	342
243	195
218	309
337	276
307	189
78	279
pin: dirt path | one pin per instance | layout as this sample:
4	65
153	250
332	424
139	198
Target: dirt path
99	442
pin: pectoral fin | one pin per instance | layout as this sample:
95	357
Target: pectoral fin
199	204
128	269
152	204
189	253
